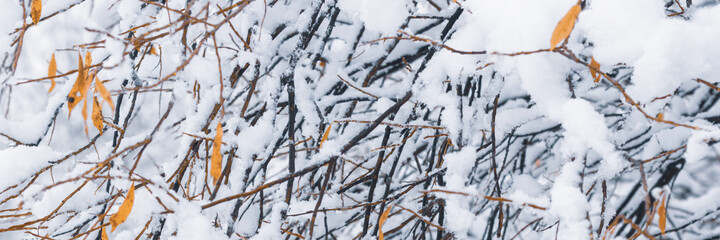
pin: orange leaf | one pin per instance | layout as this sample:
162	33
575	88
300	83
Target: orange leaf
660	116
83	93
152	51
122	213
84	114
104	92
383	217
325	136
76	93
35	10
97	117
103	234
595	74
88	61
565	26
52	69
216	158
662	212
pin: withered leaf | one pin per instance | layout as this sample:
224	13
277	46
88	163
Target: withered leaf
122	213
97	117
216	158
103	234
662	213
83	94
381	221
104	92
325	136
595	74
88	61
52	69
35	11
76	92
565	26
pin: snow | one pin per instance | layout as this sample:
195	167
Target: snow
585	129
377	15
664	52
560	144
17	163
568	203
194	224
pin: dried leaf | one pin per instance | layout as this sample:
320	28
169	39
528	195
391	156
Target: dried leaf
662	213
216	164
88	61
97	117
83	93
152	51
325	136
35	10
76	93
104	92
84	114
103	234
122	213
383	217
52	69
659	116
565	26
595	74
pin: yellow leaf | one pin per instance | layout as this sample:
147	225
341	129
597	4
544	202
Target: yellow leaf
565	26
122	213
35	10
97	117
52	69
383	217
84	114
216	164
595	74
104	92
662	213
83	93
88	61
660	116
76	93
103	234
325	136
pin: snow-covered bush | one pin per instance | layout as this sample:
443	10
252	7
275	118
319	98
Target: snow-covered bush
350	119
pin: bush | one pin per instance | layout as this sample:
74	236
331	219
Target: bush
319	119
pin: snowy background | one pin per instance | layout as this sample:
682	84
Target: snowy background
359	119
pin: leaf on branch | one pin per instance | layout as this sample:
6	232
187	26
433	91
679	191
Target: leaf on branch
595	74
216	159
78	89
97	117
325	136
383	217
35	10
84	114
103	234
565	26
52	69
122	213
104	92
662	214
88	61
88	80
